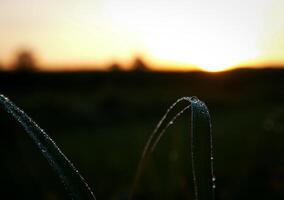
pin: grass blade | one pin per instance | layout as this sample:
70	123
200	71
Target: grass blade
201	147
74	183
202	151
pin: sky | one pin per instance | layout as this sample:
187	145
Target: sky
211	35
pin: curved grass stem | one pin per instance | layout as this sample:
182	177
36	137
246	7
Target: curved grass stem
201	147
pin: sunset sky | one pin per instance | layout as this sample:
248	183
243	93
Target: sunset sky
209	34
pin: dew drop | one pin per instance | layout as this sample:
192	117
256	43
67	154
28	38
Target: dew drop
194	99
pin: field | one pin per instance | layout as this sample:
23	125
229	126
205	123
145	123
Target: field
102	121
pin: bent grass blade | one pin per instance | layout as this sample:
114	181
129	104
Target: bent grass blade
74	183
202	151
201	147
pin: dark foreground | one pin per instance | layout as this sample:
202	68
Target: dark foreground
102	121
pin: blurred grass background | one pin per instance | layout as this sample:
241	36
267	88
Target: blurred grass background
102	120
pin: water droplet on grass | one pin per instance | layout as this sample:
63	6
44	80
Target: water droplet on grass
193	99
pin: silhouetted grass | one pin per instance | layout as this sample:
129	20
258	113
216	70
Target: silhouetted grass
74	183
201	146
76	186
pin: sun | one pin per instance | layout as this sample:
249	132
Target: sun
213	68
212	41
207	54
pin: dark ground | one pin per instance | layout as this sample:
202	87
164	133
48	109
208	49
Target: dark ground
101	121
